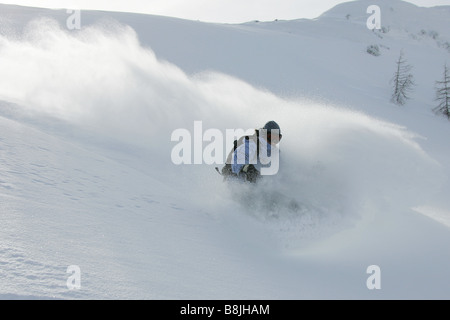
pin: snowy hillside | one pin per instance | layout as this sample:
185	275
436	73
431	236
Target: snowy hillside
87	179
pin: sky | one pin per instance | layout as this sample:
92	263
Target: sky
223	11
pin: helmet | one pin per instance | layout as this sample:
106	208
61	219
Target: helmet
272	125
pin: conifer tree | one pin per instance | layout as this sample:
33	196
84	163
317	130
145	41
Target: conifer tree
443	94
403	81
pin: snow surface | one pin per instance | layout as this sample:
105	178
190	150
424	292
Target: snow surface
86	177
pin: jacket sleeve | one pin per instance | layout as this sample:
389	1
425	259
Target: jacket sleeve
244	154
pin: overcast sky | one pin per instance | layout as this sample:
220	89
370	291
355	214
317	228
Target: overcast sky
227	11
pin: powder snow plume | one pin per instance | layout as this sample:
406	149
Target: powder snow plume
102	80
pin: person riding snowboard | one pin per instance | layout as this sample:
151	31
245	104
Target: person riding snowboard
250	153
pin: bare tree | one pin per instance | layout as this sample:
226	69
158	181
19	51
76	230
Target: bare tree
443	94
403	81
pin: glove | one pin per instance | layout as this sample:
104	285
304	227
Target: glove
250	172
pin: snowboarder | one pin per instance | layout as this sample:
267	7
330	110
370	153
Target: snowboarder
244	161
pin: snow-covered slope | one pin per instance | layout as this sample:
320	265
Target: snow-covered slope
86	176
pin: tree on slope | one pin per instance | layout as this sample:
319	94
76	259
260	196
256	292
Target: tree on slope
443	94
403	81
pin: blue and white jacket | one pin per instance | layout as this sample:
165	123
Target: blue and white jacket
247	153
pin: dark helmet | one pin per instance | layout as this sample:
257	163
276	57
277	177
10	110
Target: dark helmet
272	125
269	126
